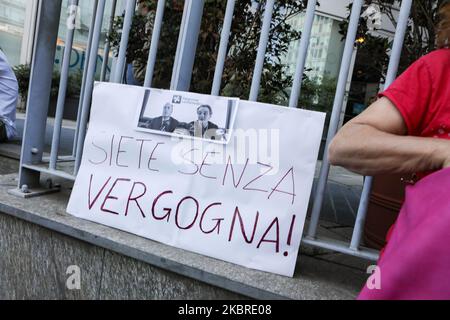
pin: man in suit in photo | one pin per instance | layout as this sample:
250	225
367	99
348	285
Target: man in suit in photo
165	123
203	128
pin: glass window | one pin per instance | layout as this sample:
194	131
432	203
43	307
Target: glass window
12	19
81	35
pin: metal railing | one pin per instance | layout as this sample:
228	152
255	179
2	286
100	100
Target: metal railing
32	164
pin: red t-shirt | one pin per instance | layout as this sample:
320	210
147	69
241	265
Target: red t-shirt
422	95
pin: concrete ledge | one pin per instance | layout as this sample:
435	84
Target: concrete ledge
34	262
314	278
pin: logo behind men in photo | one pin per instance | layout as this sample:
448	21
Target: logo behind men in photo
176	99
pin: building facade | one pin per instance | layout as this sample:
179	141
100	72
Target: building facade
325	47
325	54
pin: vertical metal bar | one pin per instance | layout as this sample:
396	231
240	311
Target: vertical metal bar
399	37
114	58
83	80
394	60
337	105
302	53
180	43
221	56
62	93
89	83
26	49
154	43
361	215
107	43
262	47
187	45
121	59
39	90
348	86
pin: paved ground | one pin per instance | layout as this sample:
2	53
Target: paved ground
8	165
342	195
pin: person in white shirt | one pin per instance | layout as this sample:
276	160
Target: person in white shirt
9	92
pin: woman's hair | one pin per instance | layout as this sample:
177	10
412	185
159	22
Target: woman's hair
443	28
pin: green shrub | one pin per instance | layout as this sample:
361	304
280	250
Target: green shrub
23	71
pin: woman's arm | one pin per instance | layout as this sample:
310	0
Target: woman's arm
375	143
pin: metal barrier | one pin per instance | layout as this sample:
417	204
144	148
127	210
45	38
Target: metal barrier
32	162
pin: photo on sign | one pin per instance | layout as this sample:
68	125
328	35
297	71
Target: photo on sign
189	115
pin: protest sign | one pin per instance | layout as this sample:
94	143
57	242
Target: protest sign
242	201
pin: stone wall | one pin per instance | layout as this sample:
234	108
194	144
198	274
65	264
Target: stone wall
34	261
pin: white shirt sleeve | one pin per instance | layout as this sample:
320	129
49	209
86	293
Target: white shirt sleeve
8	96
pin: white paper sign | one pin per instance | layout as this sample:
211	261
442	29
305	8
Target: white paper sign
242	201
